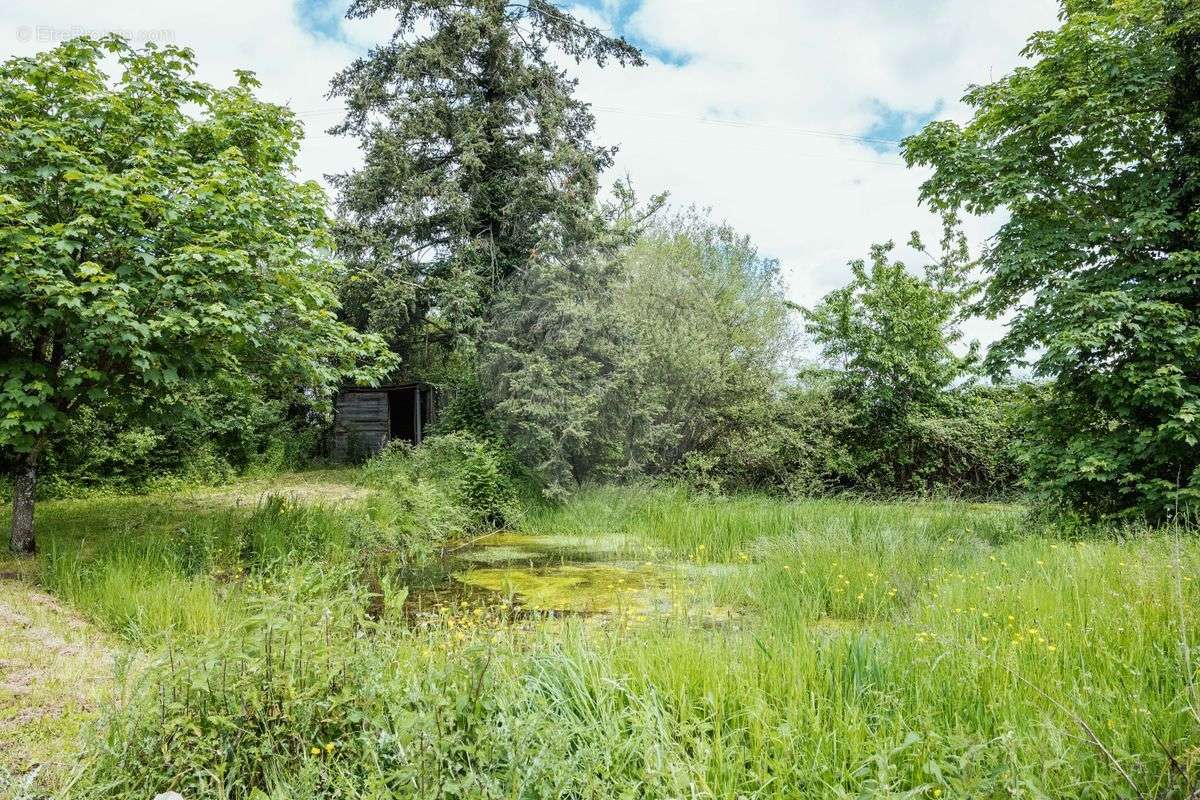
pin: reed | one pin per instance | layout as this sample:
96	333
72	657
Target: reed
929	649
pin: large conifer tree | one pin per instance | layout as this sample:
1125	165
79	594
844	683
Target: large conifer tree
476	155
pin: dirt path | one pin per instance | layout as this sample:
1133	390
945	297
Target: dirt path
322	487
55	668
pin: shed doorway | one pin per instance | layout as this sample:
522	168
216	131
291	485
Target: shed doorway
404	410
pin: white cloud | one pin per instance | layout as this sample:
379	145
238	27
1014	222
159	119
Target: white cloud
261	35
775	68
781	67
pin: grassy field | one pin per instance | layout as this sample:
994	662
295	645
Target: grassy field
864	650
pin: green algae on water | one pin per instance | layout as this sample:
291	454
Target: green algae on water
507	546
584	588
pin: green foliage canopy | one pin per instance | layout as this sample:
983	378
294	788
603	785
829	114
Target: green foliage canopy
608	365
151	234
565	375
890	332
708	309
1093	150
477	157
915	421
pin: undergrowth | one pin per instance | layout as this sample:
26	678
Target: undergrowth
871	650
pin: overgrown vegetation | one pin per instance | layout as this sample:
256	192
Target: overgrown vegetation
469	482
874	649
146	249
613	368
1093	151
918	421
195	437
798	598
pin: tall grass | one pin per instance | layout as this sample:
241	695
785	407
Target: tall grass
165	576
892	648
875	650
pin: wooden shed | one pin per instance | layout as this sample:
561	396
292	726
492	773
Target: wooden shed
365	419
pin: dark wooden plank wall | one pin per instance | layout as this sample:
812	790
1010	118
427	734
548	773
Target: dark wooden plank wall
361	424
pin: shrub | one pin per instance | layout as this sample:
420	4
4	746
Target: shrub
204	436
968	448
792	444
472	469
453	482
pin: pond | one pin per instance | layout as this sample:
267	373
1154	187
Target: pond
566	575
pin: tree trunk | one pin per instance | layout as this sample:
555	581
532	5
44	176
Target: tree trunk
22	541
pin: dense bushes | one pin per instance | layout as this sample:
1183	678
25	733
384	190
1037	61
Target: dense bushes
672	358
911	417
608	368
453	482
968	449
669	359
788	444
203	435
805	443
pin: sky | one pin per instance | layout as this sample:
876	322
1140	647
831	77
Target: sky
781	116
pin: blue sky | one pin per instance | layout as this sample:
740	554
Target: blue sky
620	14
779	115
784	116
322	17
893	124
886	124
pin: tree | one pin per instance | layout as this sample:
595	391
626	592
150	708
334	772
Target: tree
662	345
565	376
561	371
477	157
888	336
709	311
142	248
1094	153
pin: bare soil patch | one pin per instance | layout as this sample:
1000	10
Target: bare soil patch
326	487
55	669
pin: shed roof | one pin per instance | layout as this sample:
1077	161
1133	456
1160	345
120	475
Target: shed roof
389	387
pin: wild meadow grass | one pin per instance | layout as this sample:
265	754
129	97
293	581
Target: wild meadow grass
872	650
927	647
